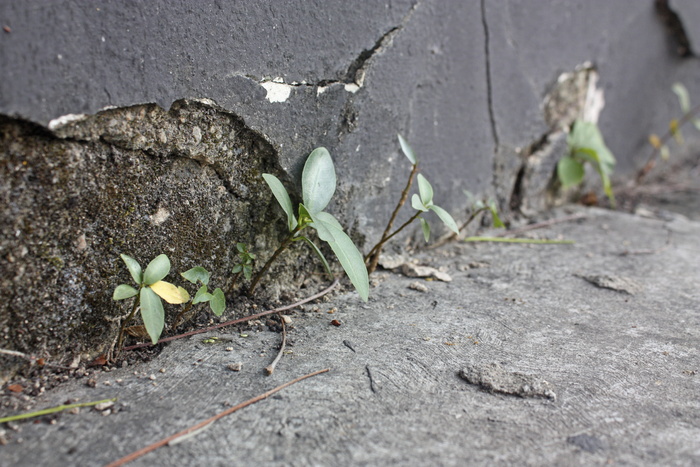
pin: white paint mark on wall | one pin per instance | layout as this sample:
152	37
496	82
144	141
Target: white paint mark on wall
277	91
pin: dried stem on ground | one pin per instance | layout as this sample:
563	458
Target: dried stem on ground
135	455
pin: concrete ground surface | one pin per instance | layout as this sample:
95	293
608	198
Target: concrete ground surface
583	354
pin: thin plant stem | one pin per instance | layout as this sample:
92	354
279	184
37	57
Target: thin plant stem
51	410
283	246
239	320
372	257
451	236
120	341
519	240
375	259
135	455
664	139
176	321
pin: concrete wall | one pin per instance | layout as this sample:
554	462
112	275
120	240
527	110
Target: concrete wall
465	81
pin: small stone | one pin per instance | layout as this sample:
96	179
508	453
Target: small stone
74	411
420	287
92	382
234	366
229	349
106	412
162	370
104	405
152	377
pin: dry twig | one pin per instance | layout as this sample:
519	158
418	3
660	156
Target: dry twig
135	455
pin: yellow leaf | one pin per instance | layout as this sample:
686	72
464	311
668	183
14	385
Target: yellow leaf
675	131
184	294
665	153
655	141
169	292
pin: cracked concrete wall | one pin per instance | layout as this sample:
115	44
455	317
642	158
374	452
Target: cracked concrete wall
464	81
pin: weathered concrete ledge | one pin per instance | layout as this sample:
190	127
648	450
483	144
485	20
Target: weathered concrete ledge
611	373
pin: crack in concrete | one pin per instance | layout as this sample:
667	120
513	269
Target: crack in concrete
354	76
489	88
674	28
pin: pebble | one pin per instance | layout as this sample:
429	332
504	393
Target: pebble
420	287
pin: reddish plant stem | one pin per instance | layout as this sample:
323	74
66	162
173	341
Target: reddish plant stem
239	320
375	259
372	257
135	455
283	246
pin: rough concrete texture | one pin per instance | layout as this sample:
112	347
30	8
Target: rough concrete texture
139	181
467	82
464	81
563	372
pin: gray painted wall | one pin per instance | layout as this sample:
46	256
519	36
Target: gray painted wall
463	80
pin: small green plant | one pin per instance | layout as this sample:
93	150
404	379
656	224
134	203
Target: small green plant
674	130
477	206
245	265
151	288
422	202
586	145
318	182
216	299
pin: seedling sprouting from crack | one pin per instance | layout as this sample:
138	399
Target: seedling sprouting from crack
421	202
151	288
244	266
586	145
674	130
318	182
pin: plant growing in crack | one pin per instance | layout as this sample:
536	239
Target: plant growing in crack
151	288
318	182
674	130
586	145
244	266
216	299
422	202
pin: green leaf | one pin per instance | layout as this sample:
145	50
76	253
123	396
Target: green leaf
218	302
665	152
683	96
417	204
247	271
407	150
156	270
315	249
426	191
195	274
123	292
318	180
585	137
446	218
426	229
569	171
696	123
152	313
497	223
237	268
201	295
282	197
241	247
134	268
324	233
345	250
